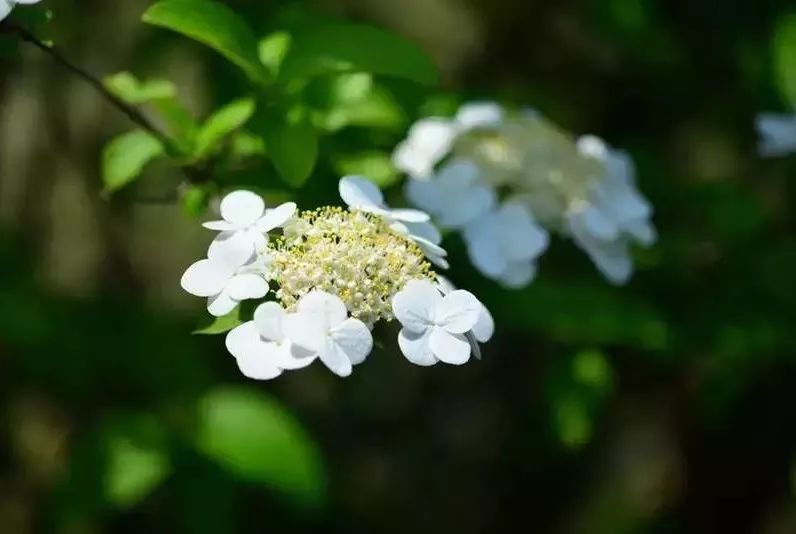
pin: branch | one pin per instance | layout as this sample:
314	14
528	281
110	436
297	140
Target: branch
194	174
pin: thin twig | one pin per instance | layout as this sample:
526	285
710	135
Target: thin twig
193	173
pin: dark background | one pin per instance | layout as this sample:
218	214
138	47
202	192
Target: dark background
665	406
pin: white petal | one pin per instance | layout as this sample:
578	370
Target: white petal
436	259
305	331
205	278
429	249
247	286
334	357
444	285
617	193
484	246
268	317
256	238
415	346
479	115
458	174
231	249
424	230
643	232
596	223
317	314
255	358
292	357
276	217
221	226
523	239
484	328
466	205
359	192
354	339
518	274
429	141
425	194
612	258
449	348
777	134
409	215
458	312
221	304
592	146
326	306
263	366
475	347
243	340
463	197
242	208
415	305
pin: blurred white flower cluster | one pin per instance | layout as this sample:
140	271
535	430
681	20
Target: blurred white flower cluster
505	180
777	133
326	277
7	5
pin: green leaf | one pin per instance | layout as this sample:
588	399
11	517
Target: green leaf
246	145
126	156
375	165
135	92
194	202
218	325
354	100
591	369
573	421
272	50
222	123
215	25
258	439
785	57
181	125
342	47
292	144
137	461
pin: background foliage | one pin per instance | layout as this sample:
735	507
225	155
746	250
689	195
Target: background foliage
664	406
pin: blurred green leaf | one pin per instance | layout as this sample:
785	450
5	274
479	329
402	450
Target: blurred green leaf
343	47
222	123
292	144
578	388
272	50
246	144
137	461
258	439
136	92
126	156
354	100
194	202
215	25
375	165
585	313
591	369
114	465
181	125
785	57
572	421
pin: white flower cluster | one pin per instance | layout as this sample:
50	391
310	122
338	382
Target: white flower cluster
7	5
505	180
777	133
327	276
